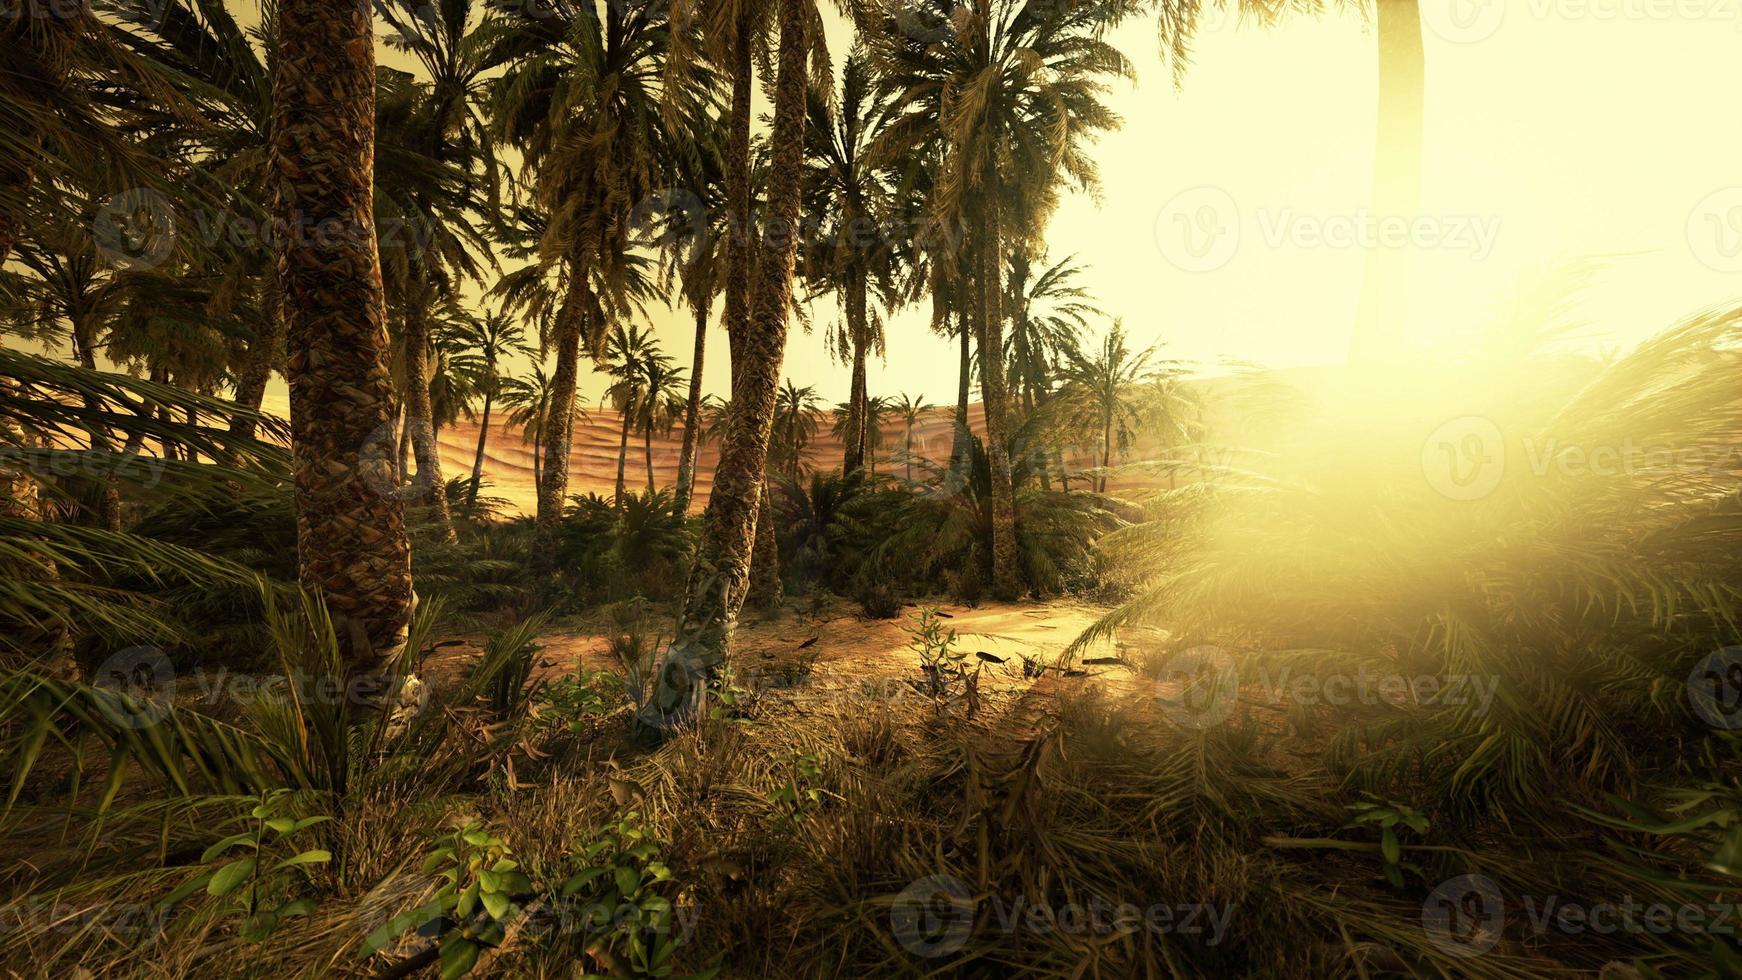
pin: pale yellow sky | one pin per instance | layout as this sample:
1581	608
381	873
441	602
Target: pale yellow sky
1231	207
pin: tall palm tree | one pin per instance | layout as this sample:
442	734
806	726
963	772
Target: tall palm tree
911	409
1048	313
1103	391
351	539
486	341
528	401
1009	95
845	187
662	404
716	588
628	353
585	99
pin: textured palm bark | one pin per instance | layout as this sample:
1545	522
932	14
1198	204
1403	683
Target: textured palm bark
1384	305
623	456
718	584
765	585
559	423
351	539
38	39
856	436
647	453
1006	574
477	477
686	460
964	381
432	487
739	239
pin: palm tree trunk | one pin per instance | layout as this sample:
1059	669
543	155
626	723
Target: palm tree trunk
433	492
623	451
857	330
559	419
959	454
907	450
647	452
108	494
483	441
717	585
686	460
351	541
1006	576
765	587
1380	320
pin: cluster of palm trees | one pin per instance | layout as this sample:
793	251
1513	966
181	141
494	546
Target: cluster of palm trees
284	203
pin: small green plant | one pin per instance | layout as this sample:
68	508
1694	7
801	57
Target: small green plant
797	793
575	701
1388	816
480	883
270	882
625	891
946	678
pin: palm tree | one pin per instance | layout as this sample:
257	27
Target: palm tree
488	339
793	427
628	353
352	543
911	409
585	99
529	402
1048	313
717	586
661	403
1008	99
842	184
1103	392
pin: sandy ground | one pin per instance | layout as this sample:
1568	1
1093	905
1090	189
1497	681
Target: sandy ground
841	640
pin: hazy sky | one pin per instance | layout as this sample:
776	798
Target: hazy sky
1553	131
1232	208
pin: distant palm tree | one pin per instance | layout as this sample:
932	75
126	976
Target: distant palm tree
627	353
484	341
795	424
911	409
529	399
867	423
1104	394
662	403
